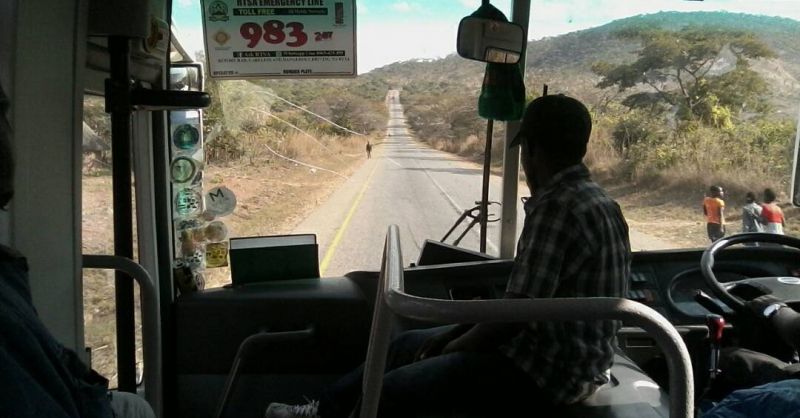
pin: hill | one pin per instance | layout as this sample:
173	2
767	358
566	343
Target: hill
441	95
565	61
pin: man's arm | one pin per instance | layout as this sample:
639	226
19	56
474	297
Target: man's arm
550	231
434	345
486	336
786	321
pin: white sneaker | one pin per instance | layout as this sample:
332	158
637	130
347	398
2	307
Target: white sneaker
282	410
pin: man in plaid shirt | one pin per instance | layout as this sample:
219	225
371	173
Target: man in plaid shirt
574	244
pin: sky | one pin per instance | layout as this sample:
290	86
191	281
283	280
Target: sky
400	30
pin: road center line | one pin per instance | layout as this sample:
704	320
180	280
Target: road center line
455	205
441	190
323	267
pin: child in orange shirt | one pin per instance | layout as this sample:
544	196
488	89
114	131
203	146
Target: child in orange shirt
714	209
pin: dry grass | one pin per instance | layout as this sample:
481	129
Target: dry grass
667	203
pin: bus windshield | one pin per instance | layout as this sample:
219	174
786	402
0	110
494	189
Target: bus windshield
690	100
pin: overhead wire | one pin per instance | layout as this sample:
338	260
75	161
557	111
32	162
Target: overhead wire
272	115
304	132
312	113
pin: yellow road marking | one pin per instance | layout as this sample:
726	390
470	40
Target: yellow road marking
332	248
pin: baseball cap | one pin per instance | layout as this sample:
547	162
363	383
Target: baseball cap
562	121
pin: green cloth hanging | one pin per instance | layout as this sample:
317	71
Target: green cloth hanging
503	91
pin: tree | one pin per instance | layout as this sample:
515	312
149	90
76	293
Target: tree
705	72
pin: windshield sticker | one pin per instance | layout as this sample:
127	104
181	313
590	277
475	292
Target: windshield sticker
280	38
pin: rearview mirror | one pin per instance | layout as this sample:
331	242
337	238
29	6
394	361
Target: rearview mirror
490	40
187	77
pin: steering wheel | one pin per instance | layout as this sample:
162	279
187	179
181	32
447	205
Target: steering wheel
787	289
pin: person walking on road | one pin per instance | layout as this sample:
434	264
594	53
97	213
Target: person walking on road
369	150
771	213
714	210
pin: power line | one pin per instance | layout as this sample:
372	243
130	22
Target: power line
297	128
312	113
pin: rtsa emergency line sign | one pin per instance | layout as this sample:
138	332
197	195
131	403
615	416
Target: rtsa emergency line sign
280	38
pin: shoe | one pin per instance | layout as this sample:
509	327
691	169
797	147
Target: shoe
282	410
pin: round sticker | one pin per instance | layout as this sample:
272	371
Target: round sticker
196	259
199	280
216	254
184	224
188	202
183	169
220	201
186	136
216	231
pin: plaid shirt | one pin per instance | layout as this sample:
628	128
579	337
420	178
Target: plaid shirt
574	244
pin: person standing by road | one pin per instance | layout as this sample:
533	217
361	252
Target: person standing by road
751	214
771	213
369	150
574	243
714	210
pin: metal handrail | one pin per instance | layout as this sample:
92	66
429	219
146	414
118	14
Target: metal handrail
393	300
151	320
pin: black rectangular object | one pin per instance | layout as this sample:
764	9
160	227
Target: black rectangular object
435	252
277	257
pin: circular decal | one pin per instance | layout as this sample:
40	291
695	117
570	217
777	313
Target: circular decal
221	37
188	202
216	231
199	280
220	201
195	260
183	169
184	224
186	136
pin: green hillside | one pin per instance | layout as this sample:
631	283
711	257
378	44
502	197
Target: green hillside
565	61
748	119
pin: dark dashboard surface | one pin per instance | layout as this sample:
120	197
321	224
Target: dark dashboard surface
668	280
664	280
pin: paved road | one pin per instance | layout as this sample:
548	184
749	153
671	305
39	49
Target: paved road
420	189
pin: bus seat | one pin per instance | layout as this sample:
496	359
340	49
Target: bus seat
630	394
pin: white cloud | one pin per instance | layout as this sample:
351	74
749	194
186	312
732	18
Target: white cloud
382	43
402	7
